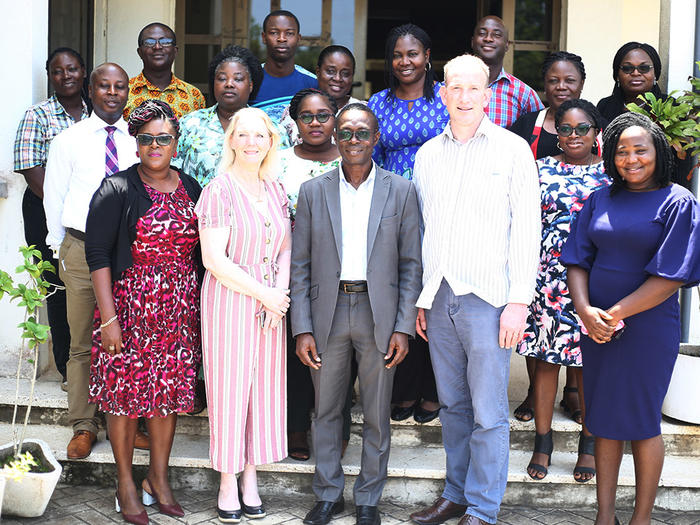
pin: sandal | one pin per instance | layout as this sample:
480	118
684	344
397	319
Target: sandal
575	415
524	411
298	446
586	445
543	445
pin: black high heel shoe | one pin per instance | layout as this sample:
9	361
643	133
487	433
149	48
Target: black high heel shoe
586	445
543	445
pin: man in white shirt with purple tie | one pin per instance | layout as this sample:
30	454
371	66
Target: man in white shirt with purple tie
79	159
478	190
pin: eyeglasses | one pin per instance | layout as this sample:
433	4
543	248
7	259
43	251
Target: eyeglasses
307	118
363	135
144	139
628	69
582	129
164	42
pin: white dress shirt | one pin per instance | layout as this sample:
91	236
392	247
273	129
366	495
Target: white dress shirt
354	215
480	202
75	169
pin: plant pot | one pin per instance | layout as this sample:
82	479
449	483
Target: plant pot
29	496
684	390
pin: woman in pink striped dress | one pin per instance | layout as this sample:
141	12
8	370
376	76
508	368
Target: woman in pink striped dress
246	246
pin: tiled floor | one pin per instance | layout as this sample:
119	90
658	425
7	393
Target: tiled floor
95	506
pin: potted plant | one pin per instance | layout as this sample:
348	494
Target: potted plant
29	469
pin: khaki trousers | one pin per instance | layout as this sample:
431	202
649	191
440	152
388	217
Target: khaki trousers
80	302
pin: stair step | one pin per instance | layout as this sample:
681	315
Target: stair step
51	405
416	474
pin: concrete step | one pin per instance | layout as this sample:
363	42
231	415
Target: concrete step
51	405
416	474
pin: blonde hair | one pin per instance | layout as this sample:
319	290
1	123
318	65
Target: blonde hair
269	167
466	62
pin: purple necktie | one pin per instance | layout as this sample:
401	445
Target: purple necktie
111	158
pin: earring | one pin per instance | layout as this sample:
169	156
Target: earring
429	67
559	146
137	155
174	154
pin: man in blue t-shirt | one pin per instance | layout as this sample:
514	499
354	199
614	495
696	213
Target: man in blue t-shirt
282	78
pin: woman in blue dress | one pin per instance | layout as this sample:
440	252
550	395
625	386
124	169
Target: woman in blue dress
410	113
633	245
552	335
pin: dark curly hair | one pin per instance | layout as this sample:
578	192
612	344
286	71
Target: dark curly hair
84	93
423	37
665	158
242	55
302	94
563	56
329	50
152	109
585	106
281	12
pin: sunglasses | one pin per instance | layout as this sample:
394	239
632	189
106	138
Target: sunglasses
363	135
628	69
307	118
144	139
582	129
164	42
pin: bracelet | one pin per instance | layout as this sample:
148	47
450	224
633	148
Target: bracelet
109	322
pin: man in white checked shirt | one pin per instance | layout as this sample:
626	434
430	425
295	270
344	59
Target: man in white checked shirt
478	190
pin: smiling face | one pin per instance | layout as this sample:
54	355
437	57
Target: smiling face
66	75
335	75
315	133
465	96
281	38
574	146
156	157
636	83
490	41
562	82
232	86
635	159
409	60
356	152
109	91
158	57
250	140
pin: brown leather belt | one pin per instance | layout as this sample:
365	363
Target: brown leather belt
76	233
353	286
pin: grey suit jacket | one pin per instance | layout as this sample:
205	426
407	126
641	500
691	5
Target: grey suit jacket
393	261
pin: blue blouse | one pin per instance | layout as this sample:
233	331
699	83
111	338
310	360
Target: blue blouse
404	130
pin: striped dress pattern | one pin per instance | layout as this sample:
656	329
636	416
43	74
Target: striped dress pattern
244	368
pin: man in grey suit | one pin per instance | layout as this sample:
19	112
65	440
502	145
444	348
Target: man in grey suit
355	279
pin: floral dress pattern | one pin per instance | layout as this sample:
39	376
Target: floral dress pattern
405	130
295	171
552	332
157	303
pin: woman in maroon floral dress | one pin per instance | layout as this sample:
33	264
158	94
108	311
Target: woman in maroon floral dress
142	249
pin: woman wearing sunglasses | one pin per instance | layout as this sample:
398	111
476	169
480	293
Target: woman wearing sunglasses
313	113
552	336
142	248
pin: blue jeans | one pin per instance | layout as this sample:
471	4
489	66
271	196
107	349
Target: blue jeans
471	372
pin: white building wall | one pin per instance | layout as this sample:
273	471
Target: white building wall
23	37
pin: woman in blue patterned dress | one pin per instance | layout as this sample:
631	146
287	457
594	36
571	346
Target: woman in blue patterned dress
552	335
410	113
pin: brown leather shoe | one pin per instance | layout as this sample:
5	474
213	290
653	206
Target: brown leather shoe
80	445
142	441
468	519
439	512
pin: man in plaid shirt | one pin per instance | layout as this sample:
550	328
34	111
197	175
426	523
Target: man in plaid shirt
510	97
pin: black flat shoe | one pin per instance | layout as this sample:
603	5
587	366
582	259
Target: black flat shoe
367	515
421	415
399	413
229	516
324	511
249	512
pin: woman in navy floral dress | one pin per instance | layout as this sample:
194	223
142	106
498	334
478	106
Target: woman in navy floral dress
410	112
552	335
141	247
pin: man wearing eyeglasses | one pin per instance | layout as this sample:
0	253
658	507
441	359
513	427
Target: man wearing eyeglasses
355	279
157	49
